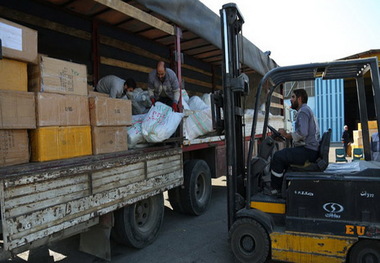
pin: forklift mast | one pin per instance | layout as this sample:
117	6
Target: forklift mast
235	85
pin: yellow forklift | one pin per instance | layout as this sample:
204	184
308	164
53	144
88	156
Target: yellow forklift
326	213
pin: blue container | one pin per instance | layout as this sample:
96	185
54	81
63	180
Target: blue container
329	106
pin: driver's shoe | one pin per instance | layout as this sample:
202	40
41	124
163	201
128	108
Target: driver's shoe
269	190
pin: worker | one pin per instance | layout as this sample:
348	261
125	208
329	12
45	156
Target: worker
305	140
346	140
114	86
139	97
163	86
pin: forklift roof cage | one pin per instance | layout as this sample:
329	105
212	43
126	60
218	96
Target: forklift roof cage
343	69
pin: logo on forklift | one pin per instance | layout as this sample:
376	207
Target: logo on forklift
333	210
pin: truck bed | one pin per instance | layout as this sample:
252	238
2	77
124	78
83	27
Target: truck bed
47	201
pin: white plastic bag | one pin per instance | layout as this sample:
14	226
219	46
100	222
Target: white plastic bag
185	96
135	131
196	103
198	123
160	123
206	98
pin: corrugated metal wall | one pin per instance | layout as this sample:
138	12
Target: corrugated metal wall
329	106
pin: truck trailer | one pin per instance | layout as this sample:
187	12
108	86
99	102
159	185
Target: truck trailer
119	194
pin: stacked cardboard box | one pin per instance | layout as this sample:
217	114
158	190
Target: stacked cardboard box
17	105
62	111
358	137
109	120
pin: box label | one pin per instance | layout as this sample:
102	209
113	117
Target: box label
11	36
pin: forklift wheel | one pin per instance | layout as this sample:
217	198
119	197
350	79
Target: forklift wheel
365	251
249	241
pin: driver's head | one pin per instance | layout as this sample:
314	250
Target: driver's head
299	97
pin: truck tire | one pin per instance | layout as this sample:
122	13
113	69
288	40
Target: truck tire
195	195
138	225
365	251
249	241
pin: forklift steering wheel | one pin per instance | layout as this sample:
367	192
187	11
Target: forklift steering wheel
276	133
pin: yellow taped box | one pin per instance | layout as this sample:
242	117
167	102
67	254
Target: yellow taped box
13	75
109	139
57	76
17	110
18	42
53	143
371	125
14	147
105	111
55	109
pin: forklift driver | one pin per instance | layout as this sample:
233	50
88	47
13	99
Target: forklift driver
305	140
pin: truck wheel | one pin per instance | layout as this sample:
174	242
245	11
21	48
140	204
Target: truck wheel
137	225
365	251
195	195
249	241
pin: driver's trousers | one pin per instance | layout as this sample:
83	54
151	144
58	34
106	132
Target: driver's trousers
284	158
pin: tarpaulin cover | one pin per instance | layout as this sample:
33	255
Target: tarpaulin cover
194	16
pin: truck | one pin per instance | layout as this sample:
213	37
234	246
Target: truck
325	212
119	194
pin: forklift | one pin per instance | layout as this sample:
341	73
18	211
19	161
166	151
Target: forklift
326	212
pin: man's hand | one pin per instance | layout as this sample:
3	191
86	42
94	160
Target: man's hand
284	133
175	107
153	100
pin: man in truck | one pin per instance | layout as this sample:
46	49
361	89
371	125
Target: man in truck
163	86
113	85
305	139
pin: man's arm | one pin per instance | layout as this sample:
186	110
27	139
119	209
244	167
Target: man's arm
113	92
302	128
175	87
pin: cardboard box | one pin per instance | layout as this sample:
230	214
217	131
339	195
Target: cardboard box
371	125
14	147
57	76
53	143
106	111
109	139
18	42
13	75
61	110
17	110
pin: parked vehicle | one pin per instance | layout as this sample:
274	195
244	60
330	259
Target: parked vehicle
325	213
118	193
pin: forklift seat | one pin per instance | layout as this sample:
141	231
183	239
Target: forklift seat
323	160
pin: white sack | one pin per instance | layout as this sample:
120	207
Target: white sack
135	131
160	123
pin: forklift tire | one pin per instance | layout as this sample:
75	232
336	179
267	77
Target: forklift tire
365	251
195	195
137	225
249	241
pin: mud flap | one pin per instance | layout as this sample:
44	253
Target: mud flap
96	241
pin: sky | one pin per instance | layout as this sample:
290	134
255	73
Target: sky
308	31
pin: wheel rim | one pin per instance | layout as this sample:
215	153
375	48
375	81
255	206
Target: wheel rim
247	244
143	214
369	256
200	188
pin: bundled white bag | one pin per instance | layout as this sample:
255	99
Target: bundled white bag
135	131
160	123
199	121
196	103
